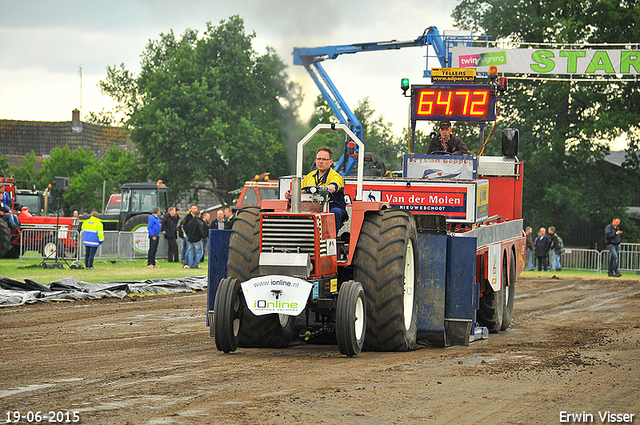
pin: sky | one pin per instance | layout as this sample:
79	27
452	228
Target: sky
44	43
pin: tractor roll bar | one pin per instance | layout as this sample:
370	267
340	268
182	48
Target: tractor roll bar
311	134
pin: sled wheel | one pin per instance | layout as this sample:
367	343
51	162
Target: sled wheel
491	310
226	315
351	318
509	294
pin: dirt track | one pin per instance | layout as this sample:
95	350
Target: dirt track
574	346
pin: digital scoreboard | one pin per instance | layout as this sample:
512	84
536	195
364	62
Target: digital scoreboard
453	102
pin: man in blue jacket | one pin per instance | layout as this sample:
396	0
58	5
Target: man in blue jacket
153	225
92	237
612	239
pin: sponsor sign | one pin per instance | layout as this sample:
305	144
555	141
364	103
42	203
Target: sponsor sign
276	294
449	201
141	239
549	61
495	266
453	75
440	167
482	203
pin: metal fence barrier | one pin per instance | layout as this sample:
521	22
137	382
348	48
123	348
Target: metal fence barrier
117	246
49	244
598	261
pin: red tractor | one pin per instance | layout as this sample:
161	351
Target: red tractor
43	234
391	275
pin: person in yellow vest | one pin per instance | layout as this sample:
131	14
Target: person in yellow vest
92	237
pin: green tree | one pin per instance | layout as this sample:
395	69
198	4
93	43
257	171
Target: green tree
87	175
83	169
208	109
564	124
4	166
27	171
377	134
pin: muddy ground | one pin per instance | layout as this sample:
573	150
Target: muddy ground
574	347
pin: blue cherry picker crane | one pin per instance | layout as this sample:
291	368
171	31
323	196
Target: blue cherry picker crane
312	57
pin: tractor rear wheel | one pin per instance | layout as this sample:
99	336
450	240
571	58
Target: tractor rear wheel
269	331
386	263
5	237
351	318
48	248
226	314
491	310
136	222
509	296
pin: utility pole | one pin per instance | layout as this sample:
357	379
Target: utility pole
80	75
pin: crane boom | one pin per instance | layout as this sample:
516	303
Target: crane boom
311	58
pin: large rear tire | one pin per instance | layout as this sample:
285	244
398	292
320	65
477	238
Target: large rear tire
491	311
5	237
226	315
136	222
385	262
351	318
509	295
272	330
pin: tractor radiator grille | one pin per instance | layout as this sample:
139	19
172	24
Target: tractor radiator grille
288	234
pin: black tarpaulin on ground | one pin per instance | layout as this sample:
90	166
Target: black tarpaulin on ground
15	293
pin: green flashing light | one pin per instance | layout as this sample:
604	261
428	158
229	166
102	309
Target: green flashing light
404	85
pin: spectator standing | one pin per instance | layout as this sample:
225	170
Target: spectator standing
541	245
206	217
195	233
612	239
556	250
183	231
529	264
153	225
228	215
170	231
92	237
553	242
220	223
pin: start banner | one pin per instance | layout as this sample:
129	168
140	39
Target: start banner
549	61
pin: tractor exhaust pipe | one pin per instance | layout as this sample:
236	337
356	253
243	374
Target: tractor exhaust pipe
296	195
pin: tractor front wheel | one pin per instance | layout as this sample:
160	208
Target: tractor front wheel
351	318
226	315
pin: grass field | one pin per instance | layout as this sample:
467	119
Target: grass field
104	272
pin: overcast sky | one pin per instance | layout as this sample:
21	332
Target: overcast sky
43	44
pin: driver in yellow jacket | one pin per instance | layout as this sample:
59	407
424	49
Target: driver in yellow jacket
327	176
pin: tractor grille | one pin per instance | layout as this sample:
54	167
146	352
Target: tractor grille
288	234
